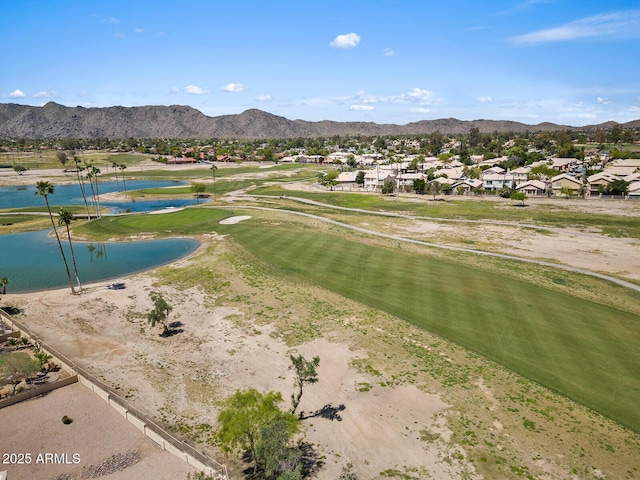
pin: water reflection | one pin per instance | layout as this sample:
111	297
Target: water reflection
100	251
31	261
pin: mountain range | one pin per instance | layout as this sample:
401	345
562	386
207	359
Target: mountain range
178	121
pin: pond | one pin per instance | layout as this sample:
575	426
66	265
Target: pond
32	261
70	194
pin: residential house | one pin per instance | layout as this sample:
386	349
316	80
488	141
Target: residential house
375	178
532	188
565	181
347	179
633	192
596	182
564	164
623	167
520	175
496	181
467	186
405	180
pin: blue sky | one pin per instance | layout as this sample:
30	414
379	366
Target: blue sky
571	62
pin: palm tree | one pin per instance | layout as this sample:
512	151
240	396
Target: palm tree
93	193
95	171
81	183
115	169
4	282
66	217
122	169
213	170
44	189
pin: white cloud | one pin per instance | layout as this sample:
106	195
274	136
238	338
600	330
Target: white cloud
486	99
45	94
361	108
617	23
387	52
17	94
138	30
419	110
264	98
174	90
350	40
113	20
602	101
195	90
234	88
421	95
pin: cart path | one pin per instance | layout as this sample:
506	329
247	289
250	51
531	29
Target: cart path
390	236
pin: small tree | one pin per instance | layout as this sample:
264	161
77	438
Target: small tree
243	416
387	187
4	283
330	179
519	196
306	372
20	169
160	312
15	367
42	356
62	157
419	186
198	189
274	455
360	178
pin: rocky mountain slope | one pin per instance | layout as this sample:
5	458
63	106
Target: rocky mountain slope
177	121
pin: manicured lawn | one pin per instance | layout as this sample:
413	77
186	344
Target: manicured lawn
191	221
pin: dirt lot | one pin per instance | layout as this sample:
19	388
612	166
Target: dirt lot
97	432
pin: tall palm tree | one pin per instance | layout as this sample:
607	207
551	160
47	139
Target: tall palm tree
213	170
93	192
122	169
115	169
44	189
66	217
81	183
95	171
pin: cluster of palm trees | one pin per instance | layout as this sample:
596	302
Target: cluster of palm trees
92	180
44	189
88	183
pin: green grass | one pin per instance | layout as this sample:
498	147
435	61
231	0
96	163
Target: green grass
191	221
48	159
582	349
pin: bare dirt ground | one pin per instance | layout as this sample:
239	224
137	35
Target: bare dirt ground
96	433
394	400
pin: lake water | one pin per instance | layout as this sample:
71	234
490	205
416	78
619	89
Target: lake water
32	261
70	194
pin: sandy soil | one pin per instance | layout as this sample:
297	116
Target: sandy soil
96	433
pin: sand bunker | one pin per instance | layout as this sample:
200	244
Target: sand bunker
233	220
166	210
